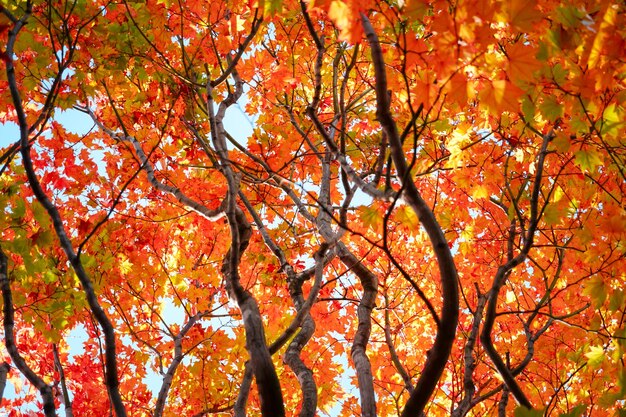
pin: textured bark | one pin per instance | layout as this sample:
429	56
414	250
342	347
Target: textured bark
260	358
362	364
244	390
470	364
67	401
504	401
294	350
439	353
487	342
303	373
171	370
4	373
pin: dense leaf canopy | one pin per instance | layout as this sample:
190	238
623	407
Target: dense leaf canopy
428	216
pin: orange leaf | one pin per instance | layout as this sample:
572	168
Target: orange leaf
522	61
523	14
500	95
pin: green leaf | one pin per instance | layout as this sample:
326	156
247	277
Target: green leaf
561	143
551	109
528	108
271	7
588	160
559	74
40	214
569	16
527	412
407	217
596	290
510	212
18	210
612	120
552	215
370	217
577	411
49	277
543	53
616	300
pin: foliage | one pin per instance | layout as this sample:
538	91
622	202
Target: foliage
428	216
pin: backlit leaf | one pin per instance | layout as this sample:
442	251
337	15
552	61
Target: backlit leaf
596	289
595	356
523	14
588	160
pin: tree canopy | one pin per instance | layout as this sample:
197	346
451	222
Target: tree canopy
427	219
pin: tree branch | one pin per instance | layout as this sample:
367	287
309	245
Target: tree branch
503	273
439	353
67	401
240	230
171	370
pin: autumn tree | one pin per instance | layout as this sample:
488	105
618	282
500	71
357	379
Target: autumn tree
427	219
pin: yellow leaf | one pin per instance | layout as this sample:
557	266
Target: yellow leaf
596	290
458	139
613	119
595	356
339	13
125	265
407	217
510	297
480	192
598	42
558	194
370	217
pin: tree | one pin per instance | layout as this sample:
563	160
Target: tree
428	218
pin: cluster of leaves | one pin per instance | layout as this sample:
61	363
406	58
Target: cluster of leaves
427	218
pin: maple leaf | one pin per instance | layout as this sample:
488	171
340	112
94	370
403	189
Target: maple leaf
370	216
174	260
595	356
523	14
416	9
522	61
500	95
588	160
